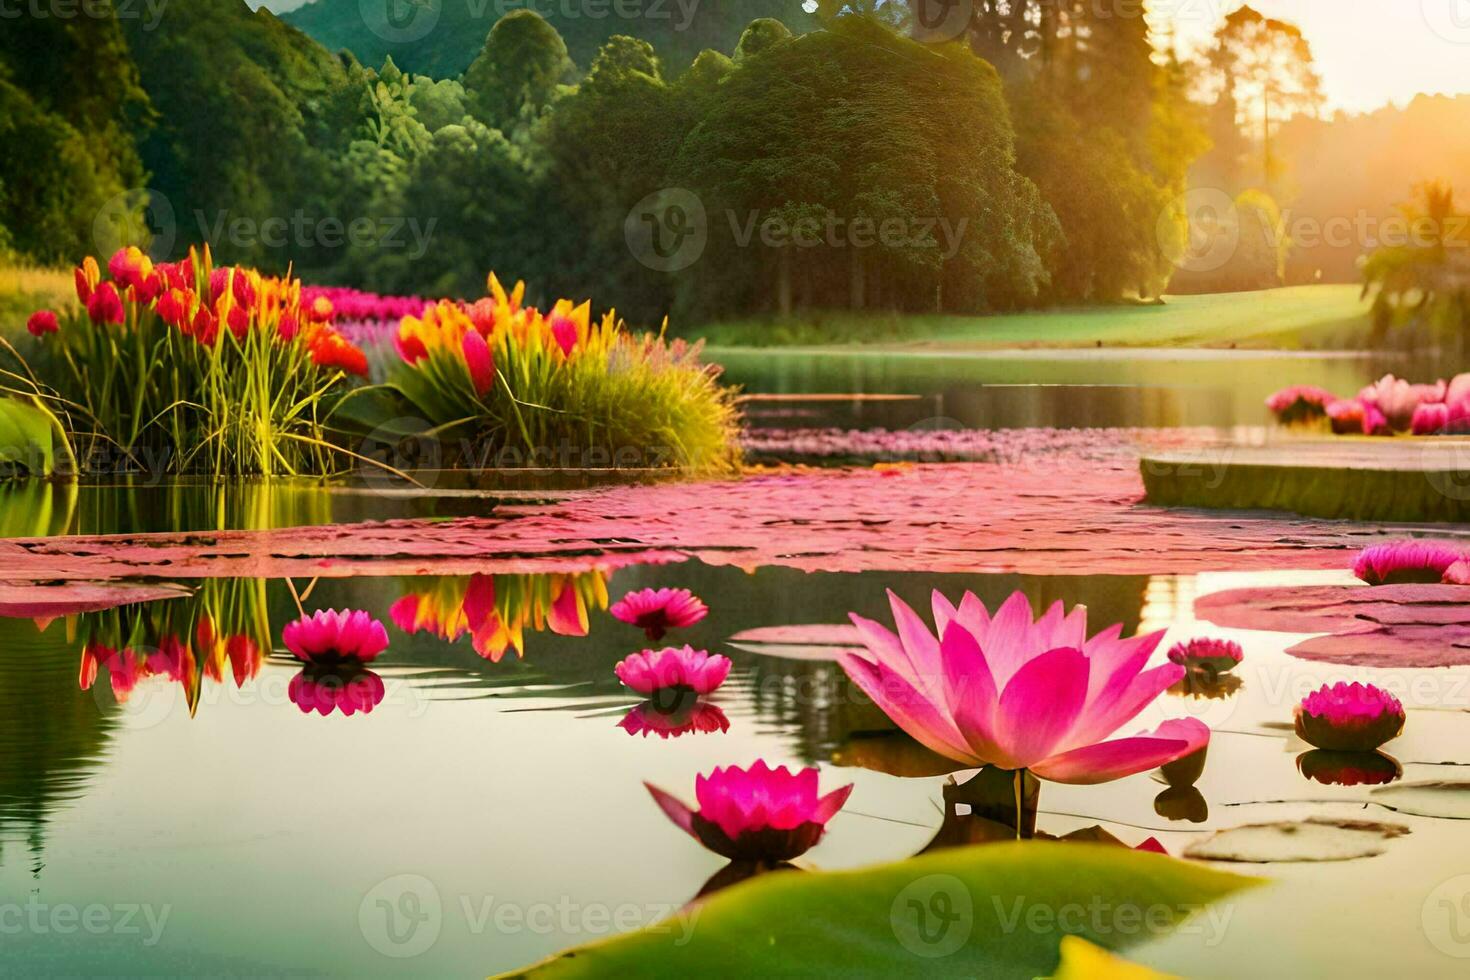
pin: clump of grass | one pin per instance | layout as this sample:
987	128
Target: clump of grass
559	390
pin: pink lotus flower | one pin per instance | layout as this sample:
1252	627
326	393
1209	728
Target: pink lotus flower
656	611
755	814
1432	394
1346	416
478	359
699	718
1375	423
1299	403
1209	655
1395	398
1018	694
1430	419
1403	562
326	691
330	637
1349	717
1458	390
673	667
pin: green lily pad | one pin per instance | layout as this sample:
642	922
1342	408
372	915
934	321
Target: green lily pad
1317	839
1447	800
994	910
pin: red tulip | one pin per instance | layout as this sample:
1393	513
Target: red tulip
105	306
478	359
41	322
87	275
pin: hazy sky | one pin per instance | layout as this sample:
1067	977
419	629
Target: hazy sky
1369	51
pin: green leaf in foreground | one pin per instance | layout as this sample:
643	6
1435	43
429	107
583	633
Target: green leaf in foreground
25	437
996	910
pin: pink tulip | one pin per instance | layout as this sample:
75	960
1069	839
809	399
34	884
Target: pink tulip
564	332
1210	655
755	814
567	614
41	323
1019	694
700	718
478	359
656	611
1405	562
673	667
1349	717
330	637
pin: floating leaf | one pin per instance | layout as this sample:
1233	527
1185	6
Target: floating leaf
993	910
1450	800
1317	839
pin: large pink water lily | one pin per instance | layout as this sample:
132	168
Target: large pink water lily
1020	693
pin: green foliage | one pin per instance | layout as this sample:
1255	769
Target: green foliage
28	435
866	923
519	71
759	36
1421	283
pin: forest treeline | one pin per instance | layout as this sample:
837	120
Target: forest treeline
725	167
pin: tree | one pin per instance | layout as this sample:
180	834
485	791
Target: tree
1265	67
518	72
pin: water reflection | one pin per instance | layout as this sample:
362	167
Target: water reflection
1348	768
496	610
347	689
649	718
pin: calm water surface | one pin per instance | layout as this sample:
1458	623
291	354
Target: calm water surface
282	842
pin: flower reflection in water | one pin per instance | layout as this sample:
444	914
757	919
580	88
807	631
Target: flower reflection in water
345	689
1181	800
656	611
497	609
1348	768
1206	687
673	670
649	718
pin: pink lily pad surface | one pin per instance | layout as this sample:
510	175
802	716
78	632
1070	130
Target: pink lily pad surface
1383	626
1053	516
47	601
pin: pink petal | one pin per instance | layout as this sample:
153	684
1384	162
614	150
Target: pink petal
1039	706
674	809
969	690
1006	645
1107	761
907	708
828	805
920	645
1122	702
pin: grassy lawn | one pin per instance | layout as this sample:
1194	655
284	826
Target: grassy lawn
1297	317
26	289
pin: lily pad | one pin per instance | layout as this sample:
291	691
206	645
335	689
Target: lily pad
1449	800
816	641
1289	841
1383	626
994	910
28	601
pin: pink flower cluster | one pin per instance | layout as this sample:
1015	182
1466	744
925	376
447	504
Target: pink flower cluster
1387	406
1414	562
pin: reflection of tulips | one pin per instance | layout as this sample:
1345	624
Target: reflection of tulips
755	814
496	609
700	717
1348	768
327	690
1020	693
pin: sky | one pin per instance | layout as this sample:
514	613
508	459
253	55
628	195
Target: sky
1370	52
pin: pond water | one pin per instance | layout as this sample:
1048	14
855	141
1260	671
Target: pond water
263	839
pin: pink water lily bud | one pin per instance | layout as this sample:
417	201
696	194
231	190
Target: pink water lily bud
1349	717
1346	416
1407	562
1017	692
329	636
1299	403
656	611
1395	399
1207	654
755	814
650	671
1430	419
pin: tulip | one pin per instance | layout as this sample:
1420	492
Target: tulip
105	306
755	814
655	611
478	360
671	668
564	332
332	637
87	276
41	322
1020	694
1349	717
